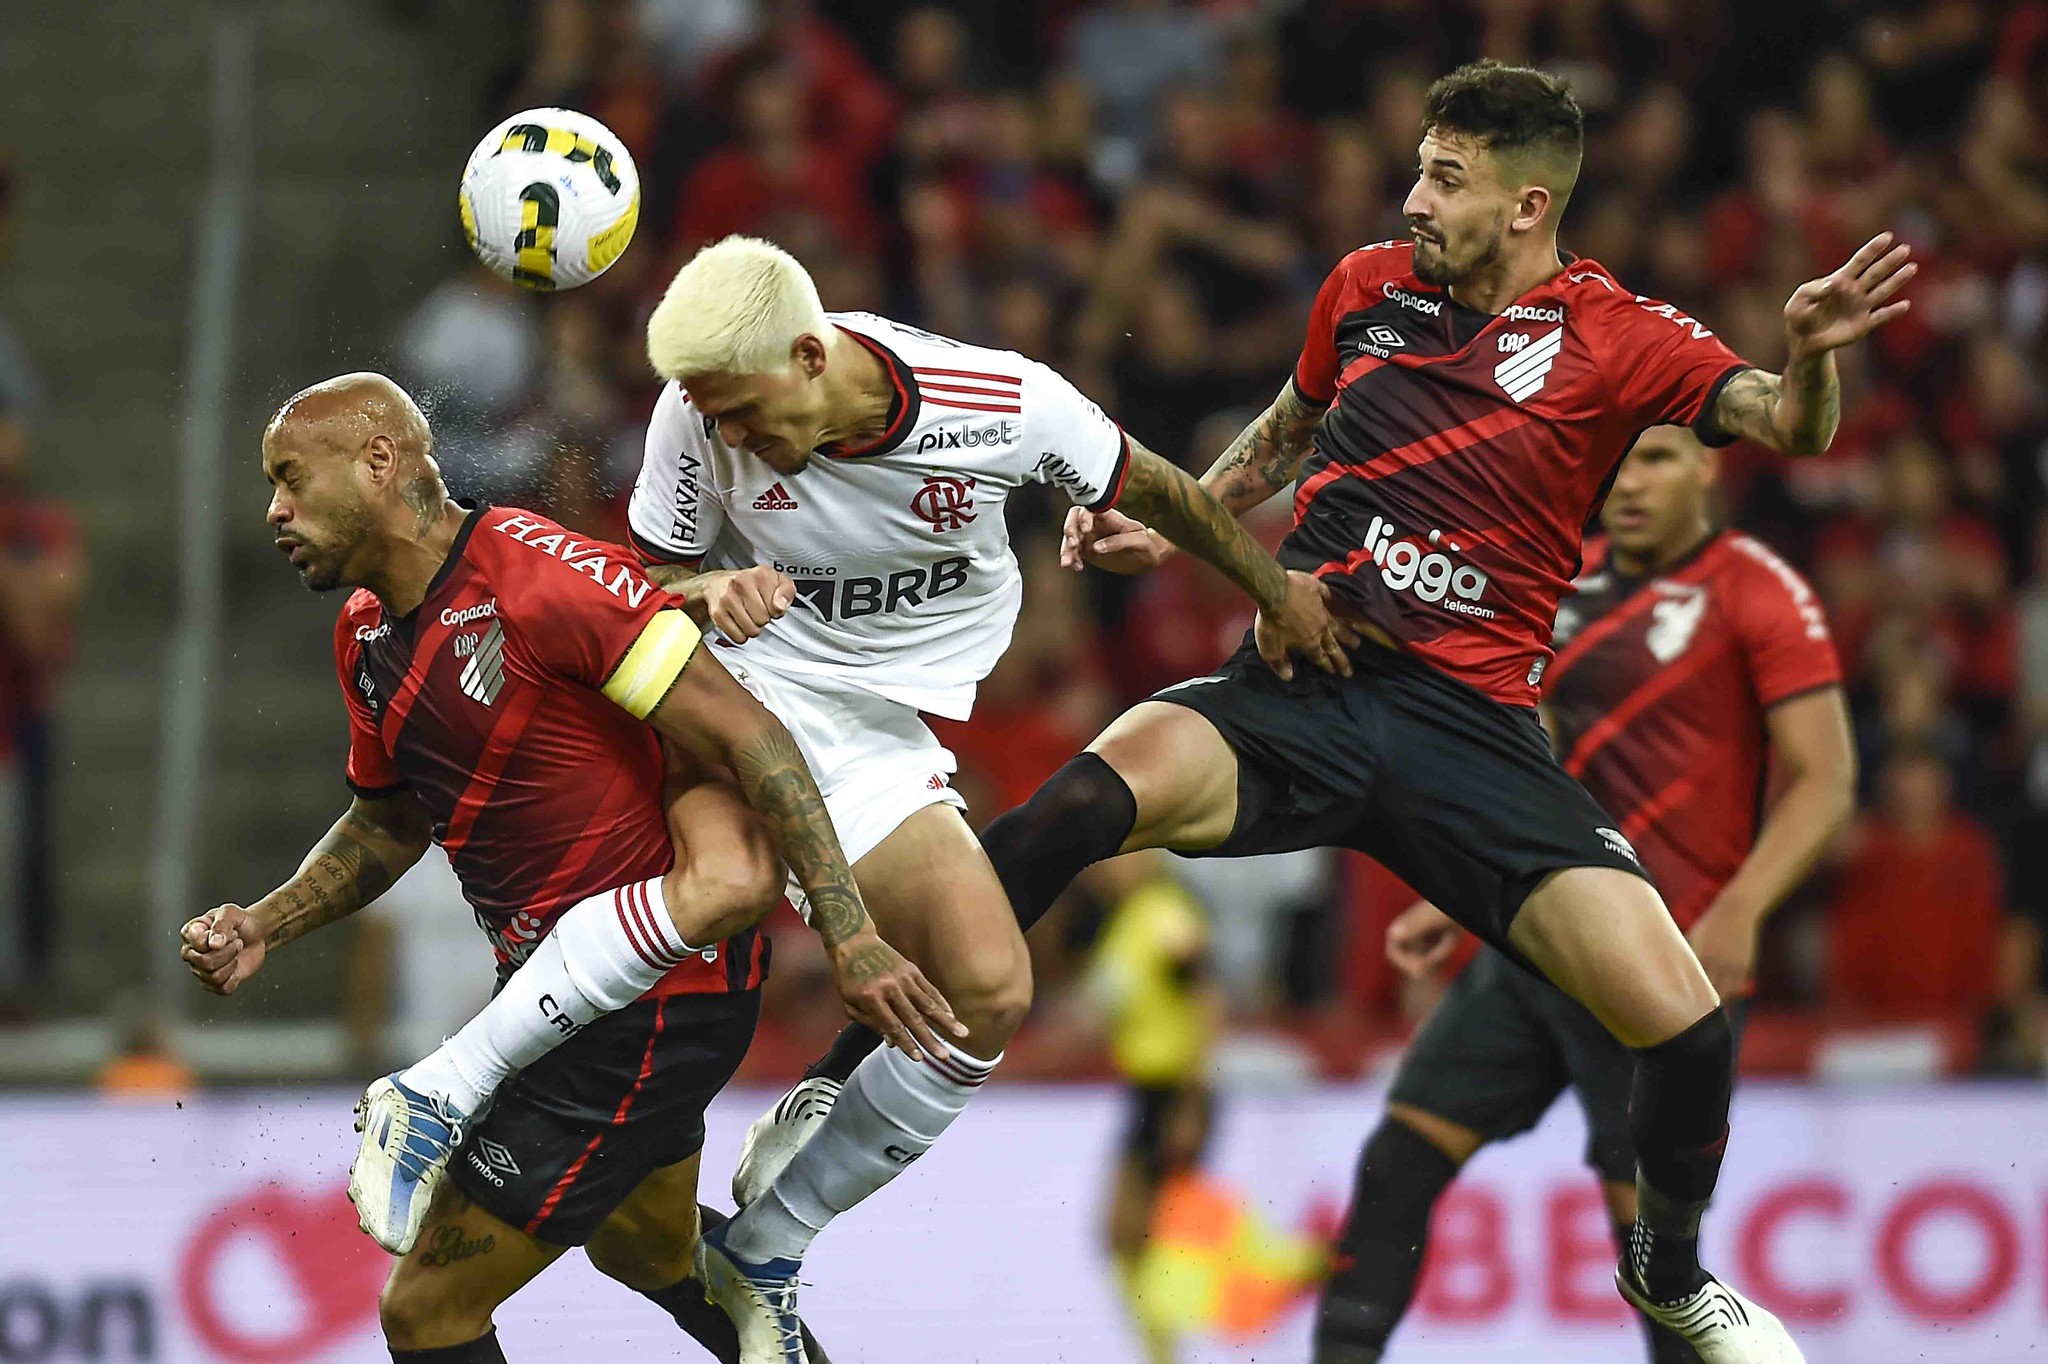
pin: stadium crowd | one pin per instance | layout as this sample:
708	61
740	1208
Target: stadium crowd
1145	194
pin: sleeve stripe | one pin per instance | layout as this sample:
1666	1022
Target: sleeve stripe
1123	473
660	554
379	792
650	667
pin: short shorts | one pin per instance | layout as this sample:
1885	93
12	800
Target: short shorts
1454	792
568	1138
875	760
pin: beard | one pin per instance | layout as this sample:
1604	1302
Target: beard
327	558
1441	271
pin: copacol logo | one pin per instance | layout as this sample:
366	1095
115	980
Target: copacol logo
1430	574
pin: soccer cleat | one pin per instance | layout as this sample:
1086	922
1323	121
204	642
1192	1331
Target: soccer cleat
777	1135
759	1298
408	1138
1721	1325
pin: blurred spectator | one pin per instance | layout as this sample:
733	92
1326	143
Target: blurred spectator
777	178
41	576
1129	52
1914	926
145	1065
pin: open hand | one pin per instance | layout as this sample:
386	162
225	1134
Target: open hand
1111	540
1302	624
1830	312
889	994
223	947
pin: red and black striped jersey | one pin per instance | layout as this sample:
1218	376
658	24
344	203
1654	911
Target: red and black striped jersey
1462	452
512	701
1656	701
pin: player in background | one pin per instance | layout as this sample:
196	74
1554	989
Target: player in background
1694	674
1461	400
827	492
1149	980
505	683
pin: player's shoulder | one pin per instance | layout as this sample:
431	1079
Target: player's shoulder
949	371
534	563
1591	292
360	615
1371	268
1754	569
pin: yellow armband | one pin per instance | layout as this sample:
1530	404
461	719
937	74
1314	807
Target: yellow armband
650	667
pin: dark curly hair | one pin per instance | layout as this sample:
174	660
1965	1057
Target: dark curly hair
1511	110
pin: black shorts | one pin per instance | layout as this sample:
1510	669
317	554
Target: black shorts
1501	1045
1455	793
1154	1112
574	1133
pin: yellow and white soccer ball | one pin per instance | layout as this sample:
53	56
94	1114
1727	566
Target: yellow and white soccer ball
550	198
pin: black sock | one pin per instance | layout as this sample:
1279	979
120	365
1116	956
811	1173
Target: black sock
1666	1346
483	1350
1379	1252
1678	1118
848	1050
705	1323
1080	816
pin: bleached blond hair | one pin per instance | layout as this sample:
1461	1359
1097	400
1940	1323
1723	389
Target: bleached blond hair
736	308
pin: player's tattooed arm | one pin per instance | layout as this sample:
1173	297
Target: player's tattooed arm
1267	454
371	846
1169	500
1796	413
713	716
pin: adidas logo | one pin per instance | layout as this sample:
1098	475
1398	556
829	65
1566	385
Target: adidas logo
776	498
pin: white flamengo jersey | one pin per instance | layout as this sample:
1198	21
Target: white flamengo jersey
906	584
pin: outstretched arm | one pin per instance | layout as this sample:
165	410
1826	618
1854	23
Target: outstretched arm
1796	413
369	847
1263	459
741	602
1294	615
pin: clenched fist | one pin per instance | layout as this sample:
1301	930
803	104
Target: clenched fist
224	947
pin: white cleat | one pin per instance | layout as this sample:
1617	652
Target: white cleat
1721	1325
759	1298
408	1138
777	1135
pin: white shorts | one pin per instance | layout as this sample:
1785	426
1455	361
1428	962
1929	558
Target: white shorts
875	760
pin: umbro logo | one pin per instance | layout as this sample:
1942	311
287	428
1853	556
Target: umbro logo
1382	335
1619	845
776	498
1522	374
499	1158
483	677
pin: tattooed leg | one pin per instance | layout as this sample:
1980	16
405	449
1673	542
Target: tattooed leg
466	1263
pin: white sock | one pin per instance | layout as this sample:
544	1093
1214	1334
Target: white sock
889	1114
601	955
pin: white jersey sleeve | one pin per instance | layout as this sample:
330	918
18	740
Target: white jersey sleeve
675	513
1071	442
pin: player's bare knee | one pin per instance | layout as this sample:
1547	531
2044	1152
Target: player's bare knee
991	992
644	1258
719	894
424	1310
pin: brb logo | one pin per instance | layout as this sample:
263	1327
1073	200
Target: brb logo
946	502
1431	575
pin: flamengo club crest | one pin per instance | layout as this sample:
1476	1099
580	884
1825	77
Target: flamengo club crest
944	501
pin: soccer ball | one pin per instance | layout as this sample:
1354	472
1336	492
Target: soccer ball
549	199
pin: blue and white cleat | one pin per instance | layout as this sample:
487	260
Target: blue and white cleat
777	1135
760	1299
408	1138
1721	1325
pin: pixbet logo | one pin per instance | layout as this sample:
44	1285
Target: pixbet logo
944	501
1431	575
969	438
